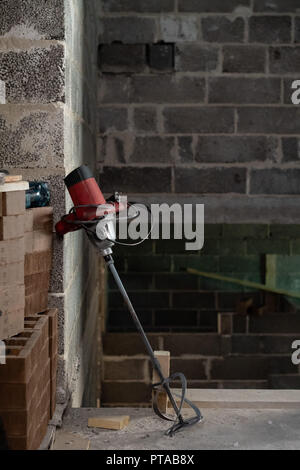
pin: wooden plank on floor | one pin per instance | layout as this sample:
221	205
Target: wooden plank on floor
69	441
109	422
242	399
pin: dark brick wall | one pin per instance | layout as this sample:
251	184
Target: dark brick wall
179	81
194	99
170	299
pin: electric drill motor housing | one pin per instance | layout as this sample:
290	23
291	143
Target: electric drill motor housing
90	207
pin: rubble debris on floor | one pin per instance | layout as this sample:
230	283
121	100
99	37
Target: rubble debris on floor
69	441
221	430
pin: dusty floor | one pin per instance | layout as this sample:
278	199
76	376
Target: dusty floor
222	429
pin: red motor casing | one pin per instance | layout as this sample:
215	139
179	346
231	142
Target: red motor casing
84	191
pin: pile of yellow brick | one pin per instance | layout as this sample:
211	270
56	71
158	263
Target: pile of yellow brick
27	328
25	260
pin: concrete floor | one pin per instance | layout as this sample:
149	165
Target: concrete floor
221	430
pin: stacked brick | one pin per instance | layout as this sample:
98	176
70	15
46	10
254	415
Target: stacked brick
38	255
25	383
25	260
12	304
28	379
53	354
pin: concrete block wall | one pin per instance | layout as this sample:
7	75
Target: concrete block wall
48	56
81	264
170	299
199	93
32	58
194	106
256	356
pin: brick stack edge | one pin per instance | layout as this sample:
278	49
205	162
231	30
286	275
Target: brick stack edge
28	379
38	255
53	354
27	382
12	252
25	260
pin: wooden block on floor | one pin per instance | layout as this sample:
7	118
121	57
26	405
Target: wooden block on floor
109	422
242	399
68	441
163	358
